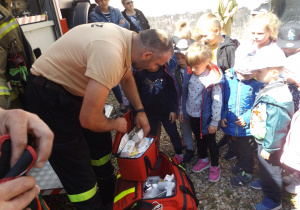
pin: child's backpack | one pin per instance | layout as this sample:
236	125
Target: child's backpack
21	168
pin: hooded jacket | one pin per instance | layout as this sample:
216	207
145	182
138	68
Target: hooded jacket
214	77
226	53
115	15
238	98
271	115
141	18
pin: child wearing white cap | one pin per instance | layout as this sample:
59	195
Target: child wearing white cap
270	119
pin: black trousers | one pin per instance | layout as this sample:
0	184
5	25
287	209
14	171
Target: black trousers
243	148
74	147
270	174
208	141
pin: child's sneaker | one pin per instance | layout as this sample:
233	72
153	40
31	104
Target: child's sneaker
289	179
178	158
188	156
215	174
256	185
236	169
201	166
293	188
267	204
241	179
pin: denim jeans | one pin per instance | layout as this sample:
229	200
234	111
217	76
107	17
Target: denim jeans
270	174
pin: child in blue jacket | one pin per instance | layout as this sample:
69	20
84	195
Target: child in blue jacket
240	90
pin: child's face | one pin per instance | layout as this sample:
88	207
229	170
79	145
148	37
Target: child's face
264	75
181	60
200	68
288	52
260	35
208	34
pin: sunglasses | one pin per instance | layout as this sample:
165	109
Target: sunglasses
129	2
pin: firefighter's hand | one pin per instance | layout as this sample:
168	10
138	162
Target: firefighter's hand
240	122
172	117
20	123
141	121
212	129
265	155
121	125
181	118
122	21
224	123
18	193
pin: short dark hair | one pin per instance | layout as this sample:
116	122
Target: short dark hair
156	41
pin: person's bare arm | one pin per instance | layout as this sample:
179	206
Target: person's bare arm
131	92
91	114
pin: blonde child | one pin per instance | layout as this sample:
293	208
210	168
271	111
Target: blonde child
208	30
202	104
264	32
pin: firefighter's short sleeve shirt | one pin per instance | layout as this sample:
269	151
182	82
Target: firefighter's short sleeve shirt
100	51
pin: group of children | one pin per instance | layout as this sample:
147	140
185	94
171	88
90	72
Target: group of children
250	91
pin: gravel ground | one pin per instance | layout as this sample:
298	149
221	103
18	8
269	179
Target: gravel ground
218	195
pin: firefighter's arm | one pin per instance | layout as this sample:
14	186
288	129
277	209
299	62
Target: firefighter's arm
18	193
129	87
91	115
19	123
4	91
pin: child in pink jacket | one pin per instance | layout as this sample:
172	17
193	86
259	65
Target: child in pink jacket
291	155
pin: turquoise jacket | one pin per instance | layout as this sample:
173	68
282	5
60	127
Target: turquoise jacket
271	115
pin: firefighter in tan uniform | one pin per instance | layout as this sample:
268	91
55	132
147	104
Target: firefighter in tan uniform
13	60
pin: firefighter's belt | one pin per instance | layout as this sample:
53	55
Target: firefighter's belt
44	82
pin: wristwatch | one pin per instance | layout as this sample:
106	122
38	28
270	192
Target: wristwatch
140	110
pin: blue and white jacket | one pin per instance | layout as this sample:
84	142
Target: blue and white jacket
238	98
115	15
214	77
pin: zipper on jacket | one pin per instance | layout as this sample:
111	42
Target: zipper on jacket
237	106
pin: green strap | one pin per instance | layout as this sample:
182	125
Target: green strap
123	194
83	196
4	91
101	161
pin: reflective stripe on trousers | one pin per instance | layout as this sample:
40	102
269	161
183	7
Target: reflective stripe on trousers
83	196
